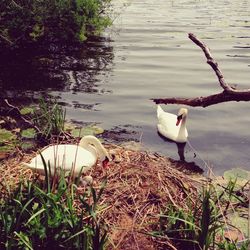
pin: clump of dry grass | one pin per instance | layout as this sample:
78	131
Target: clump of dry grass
11	173
139	185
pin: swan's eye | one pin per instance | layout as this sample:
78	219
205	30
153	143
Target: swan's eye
179	117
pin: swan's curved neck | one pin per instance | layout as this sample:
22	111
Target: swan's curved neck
92	144
183	126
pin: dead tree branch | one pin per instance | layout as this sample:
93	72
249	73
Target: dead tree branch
229	93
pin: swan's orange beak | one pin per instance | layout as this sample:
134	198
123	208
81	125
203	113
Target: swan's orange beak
179	117
105	162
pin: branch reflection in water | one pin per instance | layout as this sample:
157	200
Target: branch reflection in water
65	68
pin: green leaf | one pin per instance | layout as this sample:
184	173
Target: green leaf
6	136
35	206
27	145
242	176
239	222
237	173
6	149
27	110
89	130
29	133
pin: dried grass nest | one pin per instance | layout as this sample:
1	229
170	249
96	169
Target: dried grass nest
139	186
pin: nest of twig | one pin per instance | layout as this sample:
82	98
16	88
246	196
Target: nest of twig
139	187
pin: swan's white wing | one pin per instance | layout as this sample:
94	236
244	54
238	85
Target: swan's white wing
167	125
65	157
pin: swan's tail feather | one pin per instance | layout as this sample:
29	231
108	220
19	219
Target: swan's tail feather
27	165
36	169
159	111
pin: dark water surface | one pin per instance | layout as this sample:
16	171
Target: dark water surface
147	54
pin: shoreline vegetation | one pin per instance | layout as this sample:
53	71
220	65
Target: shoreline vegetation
142	201
33	22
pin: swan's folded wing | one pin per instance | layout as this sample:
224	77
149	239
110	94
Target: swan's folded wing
167	121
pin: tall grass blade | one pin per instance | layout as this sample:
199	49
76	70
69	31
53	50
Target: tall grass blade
24	240
21	213
75	235
35	215
46	172
182	220
205	220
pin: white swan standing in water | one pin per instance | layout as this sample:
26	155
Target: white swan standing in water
77	159
172	126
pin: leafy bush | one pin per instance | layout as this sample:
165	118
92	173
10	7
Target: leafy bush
32	218
25	21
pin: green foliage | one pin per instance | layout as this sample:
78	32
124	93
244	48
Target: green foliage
6	136
7	142
44	121
25	146
32	218
203	225
29	133
24	21
226	245
27	110
49	118
242	176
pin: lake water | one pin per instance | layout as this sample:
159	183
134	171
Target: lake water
147	54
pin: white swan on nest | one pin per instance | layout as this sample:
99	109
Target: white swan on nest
172	126
77	159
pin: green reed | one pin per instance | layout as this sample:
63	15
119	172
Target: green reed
34	217
202	226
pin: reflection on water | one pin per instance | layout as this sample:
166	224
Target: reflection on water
147	54
180	148
63	68
182	163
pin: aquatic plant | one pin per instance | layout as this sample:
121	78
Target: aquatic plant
49	118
